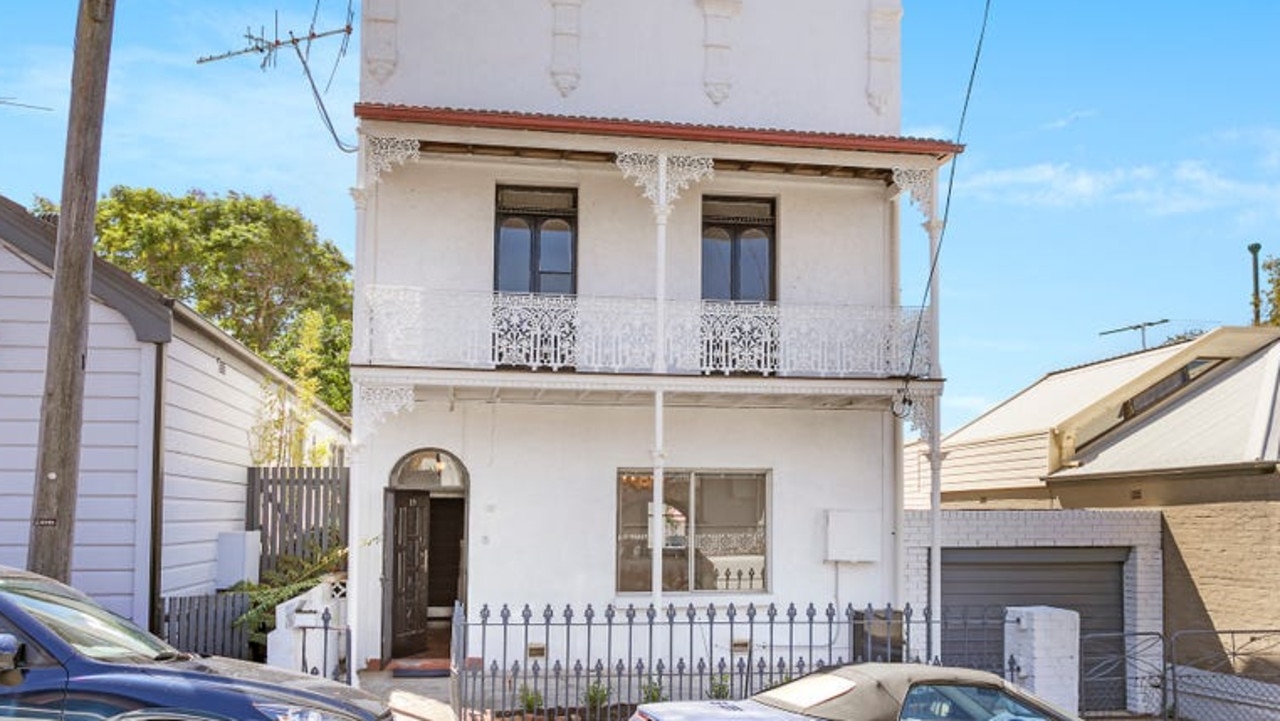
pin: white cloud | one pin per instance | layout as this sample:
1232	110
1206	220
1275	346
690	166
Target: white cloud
1069	119
1168	189
935	132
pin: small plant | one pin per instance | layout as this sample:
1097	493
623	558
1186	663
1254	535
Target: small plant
596	696
719	688
530	698
651	692
295	575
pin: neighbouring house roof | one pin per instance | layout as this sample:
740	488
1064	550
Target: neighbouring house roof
147	310
1228	420
1082	405
150	312
1057	396
660	130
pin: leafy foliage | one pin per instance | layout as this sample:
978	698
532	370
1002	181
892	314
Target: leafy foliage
596	697
530	698
651	692
293	576
1270	309
720	688
248	263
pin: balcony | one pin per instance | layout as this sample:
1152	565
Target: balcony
413	326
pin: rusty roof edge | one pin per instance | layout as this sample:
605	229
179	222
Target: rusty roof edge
499	119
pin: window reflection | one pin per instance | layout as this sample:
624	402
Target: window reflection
714	531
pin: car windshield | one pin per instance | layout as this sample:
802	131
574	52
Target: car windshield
93	631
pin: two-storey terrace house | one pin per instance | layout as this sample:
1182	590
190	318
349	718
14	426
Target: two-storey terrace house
627	288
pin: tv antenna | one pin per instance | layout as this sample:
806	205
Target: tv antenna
269	48
14	103
1142	327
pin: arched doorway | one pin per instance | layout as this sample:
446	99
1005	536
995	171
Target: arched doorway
424	553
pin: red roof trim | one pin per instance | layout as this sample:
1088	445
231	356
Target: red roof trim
651	129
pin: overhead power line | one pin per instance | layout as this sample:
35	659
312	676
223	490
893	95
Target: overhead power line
269	47
946	208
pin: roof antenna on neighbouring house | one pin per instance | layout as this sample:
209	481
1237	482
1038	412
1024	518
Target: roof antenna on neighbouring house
1138	327
268	47
1257	298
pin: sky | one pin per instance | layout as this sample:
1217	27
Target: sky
1120	156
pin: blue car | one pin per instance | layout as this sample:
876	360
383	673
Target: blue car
65	658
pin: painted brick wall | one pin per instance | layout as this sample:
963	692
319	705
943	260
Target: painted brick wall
1139	530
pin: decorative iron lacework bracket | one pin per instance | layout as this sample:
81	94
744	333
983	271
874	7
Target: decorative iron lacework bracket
663	176
919	183
383	153
917	410
379	402
565	31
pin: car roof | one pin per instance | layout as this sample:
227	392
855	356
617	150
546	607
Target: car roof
871	691
10	576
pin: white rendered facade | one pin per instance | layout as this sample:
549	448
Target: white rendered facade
644	116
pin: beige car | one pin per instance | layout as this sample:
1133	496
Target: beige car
873	692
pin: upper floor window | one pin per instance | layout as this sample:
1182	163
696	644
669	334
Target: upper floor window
737	248
535	246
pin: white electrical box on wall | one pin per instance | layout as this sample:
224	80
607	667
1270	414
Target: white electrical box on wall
853	536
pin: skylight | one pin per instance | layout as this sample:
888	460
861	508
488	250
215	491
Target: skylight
1167	386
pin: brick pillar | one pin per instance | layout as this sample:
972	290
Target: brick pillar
1045	645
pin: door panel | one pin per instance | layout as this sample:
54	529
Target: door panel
411	520
36	692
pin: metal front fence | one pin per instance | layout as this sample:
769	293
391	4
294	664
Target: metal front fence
1225	675
1123	672
599	664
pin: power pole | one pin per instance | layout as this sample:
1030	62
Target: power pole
62	407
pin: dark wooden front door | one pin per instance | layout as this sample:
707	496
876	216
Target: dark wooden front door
410	531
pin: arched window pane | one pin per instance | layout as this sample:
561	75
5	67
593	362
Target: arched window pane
717	264
515	244
555	247
755	271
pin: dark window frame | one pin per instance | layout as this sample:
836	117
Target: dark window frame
534	217
689	549
736	226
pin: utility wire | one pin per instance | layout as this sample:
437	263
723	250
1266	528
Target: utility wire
946	208
324	112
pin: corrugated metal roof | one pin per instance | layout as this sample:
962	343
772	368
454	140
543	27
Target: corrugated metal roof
1060	395
1214	423
520	120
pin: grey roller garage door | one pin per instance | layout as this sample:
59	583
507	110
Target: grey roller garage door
979	583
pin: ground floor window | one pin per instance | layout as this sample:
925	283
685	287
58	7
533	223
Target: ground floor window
714	537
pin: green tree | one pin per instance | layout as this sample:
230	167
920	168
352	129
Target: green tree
1270	310
247	263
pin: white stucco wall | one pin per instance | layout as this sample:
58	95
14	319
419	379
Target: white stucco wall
432	226
830	65
543	497
111	539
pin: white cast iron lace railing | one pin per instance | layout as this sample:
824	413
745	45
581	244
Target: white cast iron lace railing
419	327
